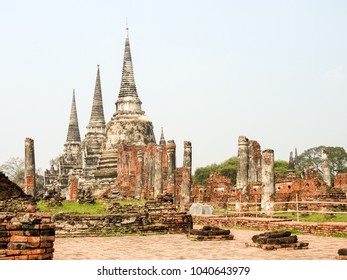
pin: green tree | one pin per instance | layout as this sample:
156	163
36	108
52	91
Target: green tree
337	158
14	169
227	168
281	168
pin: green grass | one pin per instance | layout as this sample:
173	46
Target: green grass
132	201
315	217
74	207
98	208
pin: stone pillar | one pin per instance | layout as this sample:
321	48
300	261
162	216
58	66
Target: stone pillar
30	182
171	166
268	182
243	164
326	168
158	176
185	187
254	164
139	174
187	156
186	173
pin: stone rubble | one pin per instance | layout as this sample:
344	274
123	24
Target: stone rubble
277	240
341	254
210	233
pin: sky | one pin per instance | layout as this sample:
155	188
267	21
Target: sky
206	71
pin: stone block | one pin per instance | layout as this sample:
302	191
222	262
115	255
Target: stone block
201	209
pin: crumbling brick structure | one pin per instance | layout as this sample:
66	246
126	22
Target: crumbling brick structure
27	236
268	181
30	181
249	170
24	233
220	191
159	216
340	181
217	191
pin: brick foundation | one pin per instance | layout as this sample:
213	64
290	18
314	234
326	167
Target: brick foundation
121	223
25	236
270	224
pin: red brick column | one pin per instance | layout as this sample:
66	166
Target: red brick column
74	189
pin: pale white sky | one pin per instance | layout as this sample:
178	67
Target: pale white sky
206	71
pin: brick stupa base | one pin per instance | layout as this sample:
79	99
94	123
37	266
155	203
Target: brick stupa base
208	233
277	240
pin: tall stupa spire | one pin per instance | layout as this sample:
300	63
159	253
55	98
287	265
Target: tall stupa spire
129	125
97	118
162	140
128	86
73	134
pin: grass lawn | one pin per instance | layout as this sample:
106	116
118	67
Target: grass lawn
98	208
315	217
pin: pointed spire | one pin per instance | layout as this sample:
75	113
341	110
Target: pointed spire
128	87
73	134
296	160
162	138
291	162
97	117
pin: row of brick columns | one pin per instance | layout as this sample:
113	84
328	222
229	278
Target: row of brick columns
248	163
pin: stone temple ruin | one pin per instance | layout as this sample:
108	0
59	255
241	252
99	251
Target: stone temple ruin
257	182
120	158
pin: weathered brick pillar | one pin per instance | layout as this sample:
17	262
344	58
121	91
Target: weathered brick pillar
30	182
171	166
139	174
186	173
326	168
187	156
185	187
254	164
268	181
158	175
243	165
74	189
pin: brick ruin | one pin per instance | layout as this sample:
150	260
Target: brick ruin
29	170
270	224
274	240
25	234
340	181
156	216
257	182
217	191
208	233
341	254
121	157
268	181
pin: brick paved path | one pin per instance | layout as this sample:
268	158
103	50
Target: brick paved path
178	247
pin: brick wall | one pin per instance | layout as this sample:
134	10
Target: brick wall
26	236
269	224
340	181
122	223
